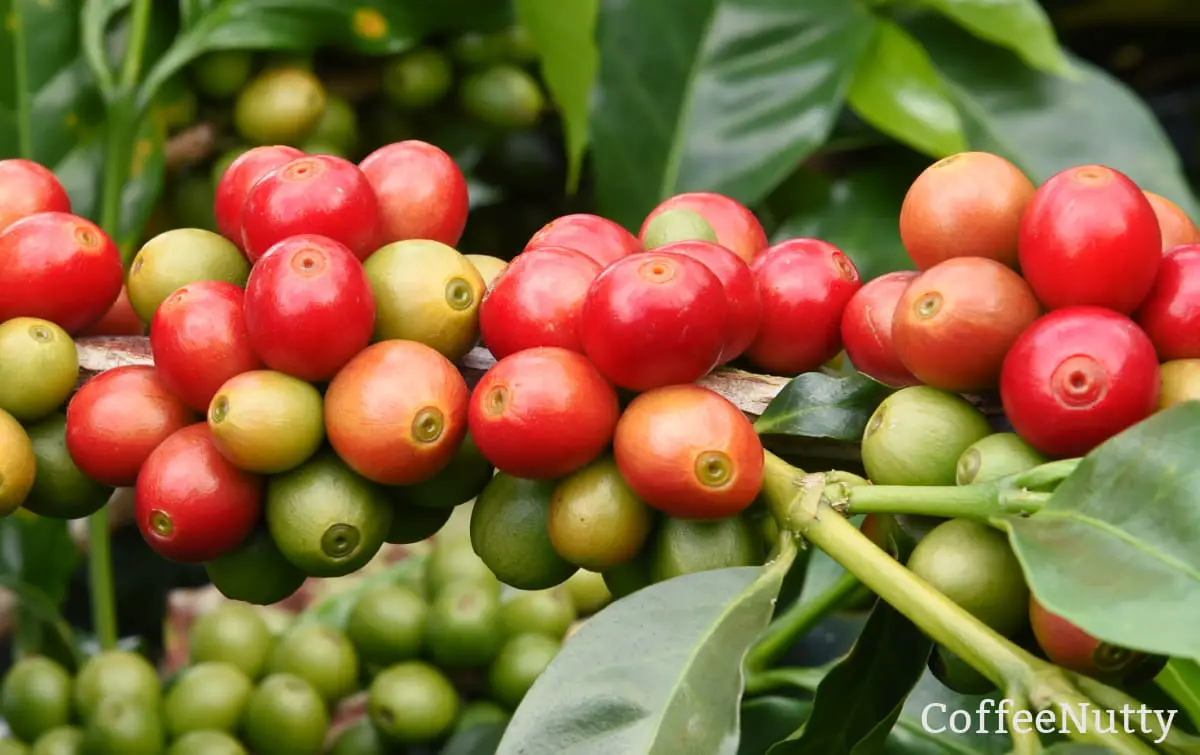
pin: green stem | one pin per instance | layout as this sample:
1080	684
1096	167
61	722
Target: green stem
980	501
116	169
800	617
1025	739
120	127
769	680
1170	739
100	576
24	102
810	515
131	66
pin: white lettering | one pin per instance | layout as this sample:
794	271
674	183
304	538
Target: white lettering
1002	714
984	704
1125	712
1081	718
925	718
1021	721
1166	725
1069	715
1047	723
965	727
1112	721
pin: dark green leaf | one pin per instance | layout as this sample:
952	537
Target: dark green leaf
767	720
37	559
385	27
857	213
861	697
565	38
658	672
47	95
298	25
39	552
482	739
897	90
1020	25
1046	123
1181	680
335	610
147	172
97	14
1114	551
816	405
715	95
190	11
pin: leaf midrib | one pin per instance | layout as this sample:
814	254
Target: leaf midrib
782	562
674	161
1108	528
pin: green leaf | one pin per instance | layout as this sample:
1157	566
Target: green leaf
1181	680
296	25
190	11
565	37
97	14
816	405
898	91
1114	550
1046	123
481	739
47	94
147	175
862	696
857	213
40	552
53	93
767	720
1019	25
659	672
715	95
37	559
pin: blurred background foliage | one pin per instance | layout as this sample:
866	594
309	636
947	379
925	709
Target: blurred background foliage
817	114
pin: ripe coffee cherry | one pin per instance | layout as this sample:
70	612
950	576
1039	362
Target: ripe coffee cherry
965	205
689	453
1171	313
239	178
805	285
597	237
1077	377
308	307
537	301
867	329
1090	237
315	194
1070	647
735	225
421	190
27	188
542	413
654	319
1176	227
58	267
954	323
741	292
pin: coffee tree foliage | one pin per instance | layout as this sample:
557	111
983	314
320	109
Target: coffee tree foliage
817	114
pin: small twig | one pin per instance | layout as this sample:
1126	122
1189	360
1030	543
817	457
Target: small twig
191	146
